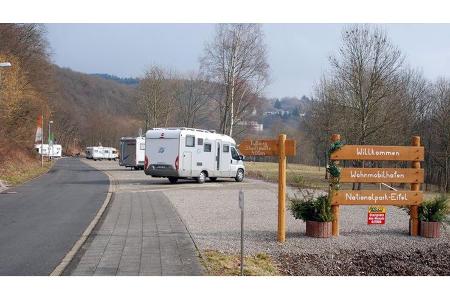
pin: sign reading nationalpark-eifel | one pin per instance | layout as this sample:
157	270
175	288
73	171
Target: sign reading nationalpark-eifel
383	197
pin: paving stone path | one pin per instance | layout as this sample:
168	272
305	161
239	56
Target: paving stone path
140	234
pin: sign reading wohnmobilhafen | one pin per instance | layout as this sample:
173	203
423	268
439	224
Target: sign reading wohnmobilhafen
376	175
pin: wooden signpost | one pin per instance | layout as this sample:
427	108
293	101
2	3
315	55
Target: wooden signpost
281	148
413	176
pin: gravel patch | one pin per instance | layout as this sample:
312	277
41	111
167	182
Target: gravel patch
213	218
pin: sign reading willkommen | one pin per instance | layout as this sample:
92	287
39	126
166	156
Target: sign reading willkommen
398	153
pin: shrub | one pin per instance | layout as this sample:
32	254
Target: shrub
434	210
312	208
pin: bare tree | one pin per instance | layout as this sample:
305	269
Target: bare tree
367	78
156	97
237	60
191	96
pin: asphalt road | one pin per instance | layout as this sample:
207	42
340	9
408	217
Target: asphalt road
41	222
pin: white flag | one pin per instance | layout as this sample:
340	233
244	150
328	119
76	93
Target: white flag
39	136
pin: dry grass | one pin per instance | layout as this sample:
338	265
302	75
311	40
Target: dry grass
18	170
220	264
309	176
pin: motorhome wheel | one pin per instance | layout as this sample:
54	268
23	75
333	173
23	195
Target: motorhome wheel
201	178
173	179
240	175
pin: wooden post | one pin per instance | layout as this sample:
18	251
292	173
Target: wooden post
281	188
414	209
335	208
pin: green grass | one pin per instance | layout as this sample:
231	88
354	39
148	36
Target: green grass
221	264
14	173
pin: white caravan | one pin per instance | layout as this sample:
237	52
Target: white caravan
110	153
99	153
132	152
191	153
55	150
94	153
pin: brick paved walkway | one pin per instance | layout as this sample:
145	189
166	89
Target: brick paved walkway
140	234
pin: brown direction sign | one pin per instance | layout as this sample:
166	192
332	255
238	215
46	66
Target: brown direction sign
350	197
376	175
368	152
266	147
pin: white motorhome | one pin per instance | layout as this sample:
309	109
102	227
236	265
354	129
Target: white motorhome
110	153
99	153
191	153
54	150
95	153
132	152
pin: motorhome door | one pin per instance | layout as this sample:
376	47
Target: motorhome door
218	155
225	159
187	163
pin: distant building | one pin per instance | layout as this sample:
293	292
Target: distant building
252	125
279	112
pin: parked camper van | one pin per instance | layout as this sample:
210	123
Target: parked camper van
191	153
132	152
95	153
99	153
110	153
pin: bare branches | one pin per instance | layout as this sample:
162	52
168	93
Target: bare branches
191	96
367	79
237	59
156	97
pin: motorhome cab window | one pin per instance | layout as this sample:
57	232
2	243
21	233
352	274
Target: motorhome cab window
199	141
207	148
226	148
190	141
234	154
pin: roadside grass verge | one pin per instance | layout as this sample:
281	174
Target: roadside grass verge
221	264
17	172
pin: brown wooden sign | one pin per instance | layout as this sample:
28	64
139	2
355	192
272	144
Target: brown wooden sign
376	175
368	152
266	147
350	197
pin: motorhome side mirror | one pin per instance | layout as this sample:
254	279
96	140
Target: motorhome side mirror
241	157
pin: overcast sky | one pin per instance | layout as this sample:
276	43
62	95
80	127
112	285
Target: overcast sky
298	53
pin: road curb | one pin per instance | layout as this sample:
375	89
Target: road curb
76	247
